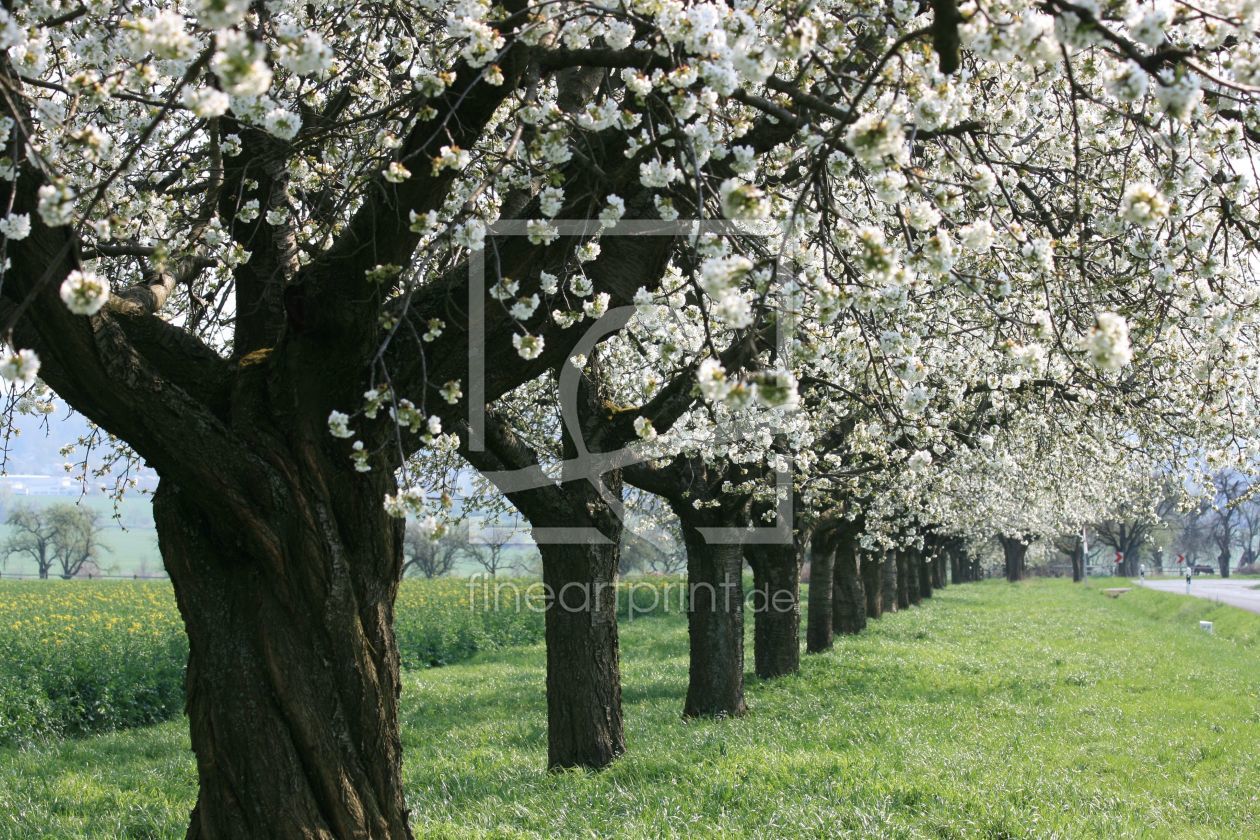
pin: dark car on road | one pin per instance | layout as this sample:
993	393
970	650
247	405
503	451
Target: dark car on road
1203	569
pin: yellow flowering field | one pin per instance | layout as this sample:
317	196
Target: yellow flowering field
82	656
85	656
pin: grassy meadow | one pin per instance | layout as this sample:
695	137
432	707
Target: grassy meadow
996	711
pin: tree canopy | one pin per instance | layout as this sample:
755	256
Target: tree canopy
944	269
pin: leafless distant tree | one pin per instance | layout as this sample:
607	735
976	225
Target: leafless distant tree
1072	546
661	556
62	536
1248	530
1133	529
1229	490
1195	537
489	548
31	537
434	557
77	544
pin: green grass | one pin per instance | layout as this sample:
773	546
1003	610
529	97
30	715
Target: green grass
1041	710
1228	622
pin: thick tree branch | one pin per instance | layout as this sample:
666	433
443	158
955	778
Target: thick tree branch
680	394
505	452
334	304
259	173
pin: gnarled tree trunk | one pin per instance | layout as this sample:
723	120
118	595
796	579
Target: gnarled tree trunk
715	574
926	565
888	588
1014	551
872	567
293	672
715	622
822	582
914	577
578	531
849	608
776	608
584	725
1222	560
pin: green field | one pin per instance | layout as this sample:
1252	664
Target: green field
1040	710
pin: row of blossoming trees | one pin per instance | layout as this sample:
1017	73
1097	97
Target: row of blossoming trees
867	277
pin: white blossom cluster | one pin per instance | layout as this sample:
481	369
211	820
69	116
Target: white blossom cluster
1066	225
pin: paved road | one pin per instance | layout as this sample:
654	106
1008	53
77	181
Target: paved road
1236	592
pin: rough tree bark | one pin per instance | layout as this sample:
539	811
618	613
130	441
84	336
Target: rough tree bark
955	562
1078	563
872	583
902	579
282	558
1222	560
926	564
577	524
715	618
584	724
776	605
849	607
1014	551
715	570
822	582
888	588
275	656
914	577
